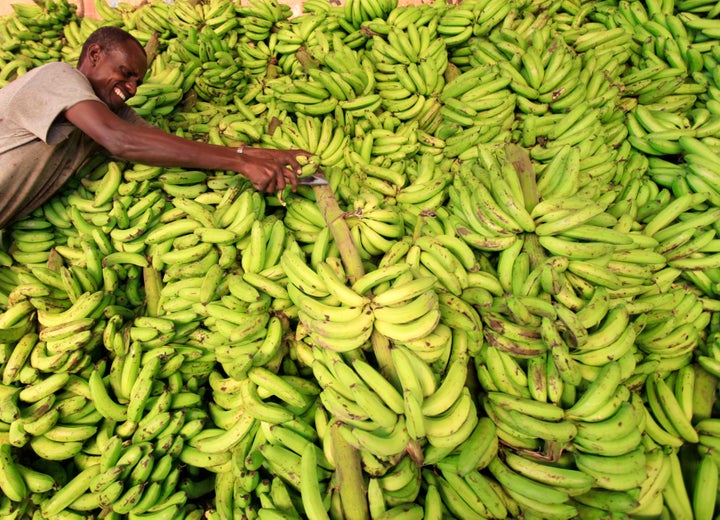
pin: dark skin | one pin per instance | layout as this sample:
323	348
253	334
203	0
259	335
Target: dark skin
115	75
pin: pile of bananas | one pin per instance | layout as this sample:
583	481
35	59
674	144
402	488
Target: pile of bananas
32	35
533	190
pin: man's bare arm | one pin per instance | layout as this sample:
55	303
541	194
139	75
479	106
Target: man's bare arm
269	171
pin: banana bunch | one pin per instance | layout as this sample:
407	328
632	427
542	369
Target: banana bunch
15	68
621	472
450	260
75	33
395	489
216	64
332	313
673	34
231	319
662	398
657	137
145	482
161	91
253	398
648	500
292	36
239	127
32	35
53	428
447	413
458	25
344	80
525	423
375	178
384	146
185	16
703	501
371	417
468	496
48	15
495	191
707	360
665	489
311	96
408	310
154	18
321	136
423	190
562	475
138	465
468	107
278	468
385	419
471	224
448	420
290	496
611	337
681	335
532	496
410	61
697	7
221	18
567	129
201	234
110	14
374	227
260	18
8	282
356	13
404	300
33	238
512	337
700	162
571	216
303	218
707	435
256	59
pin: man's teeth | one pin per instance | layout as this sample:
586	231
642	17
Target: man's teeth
120	93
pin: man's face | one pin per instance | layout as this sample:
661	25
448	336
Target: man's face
116	73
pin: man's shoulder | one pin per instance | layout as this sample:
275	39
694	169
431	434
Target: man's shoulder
56	67
47	77
59	65
53	72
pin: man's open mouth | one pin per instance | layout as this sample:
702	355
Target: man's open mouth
120	93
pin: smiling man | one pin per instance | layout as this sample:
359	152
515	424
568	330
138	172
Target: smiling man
56	115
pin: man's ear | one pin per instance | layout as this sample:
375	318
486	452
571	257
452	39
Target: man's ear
94	54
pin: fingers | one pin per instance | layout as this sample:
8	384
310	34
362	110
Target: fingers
266	184
294	163
294	179
280	172
264	187
279	182
282	178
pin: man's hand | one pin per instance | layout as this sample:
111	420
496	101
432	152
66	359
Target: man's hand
272	170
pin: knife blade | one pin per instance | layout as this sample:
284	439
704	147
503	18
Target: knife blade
312	180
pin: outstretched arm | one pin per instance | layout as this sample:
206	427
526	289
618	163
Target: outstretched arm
269	170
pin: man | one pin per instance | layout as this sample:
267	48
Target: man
56	115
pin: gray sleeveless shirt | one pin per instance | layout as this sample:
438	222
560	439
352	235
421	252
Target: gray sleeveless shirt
39	148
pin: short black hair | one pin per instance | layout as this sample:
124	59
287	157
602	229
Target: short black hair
108	37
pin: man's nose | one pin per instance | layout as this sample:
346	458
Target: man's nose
131	86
